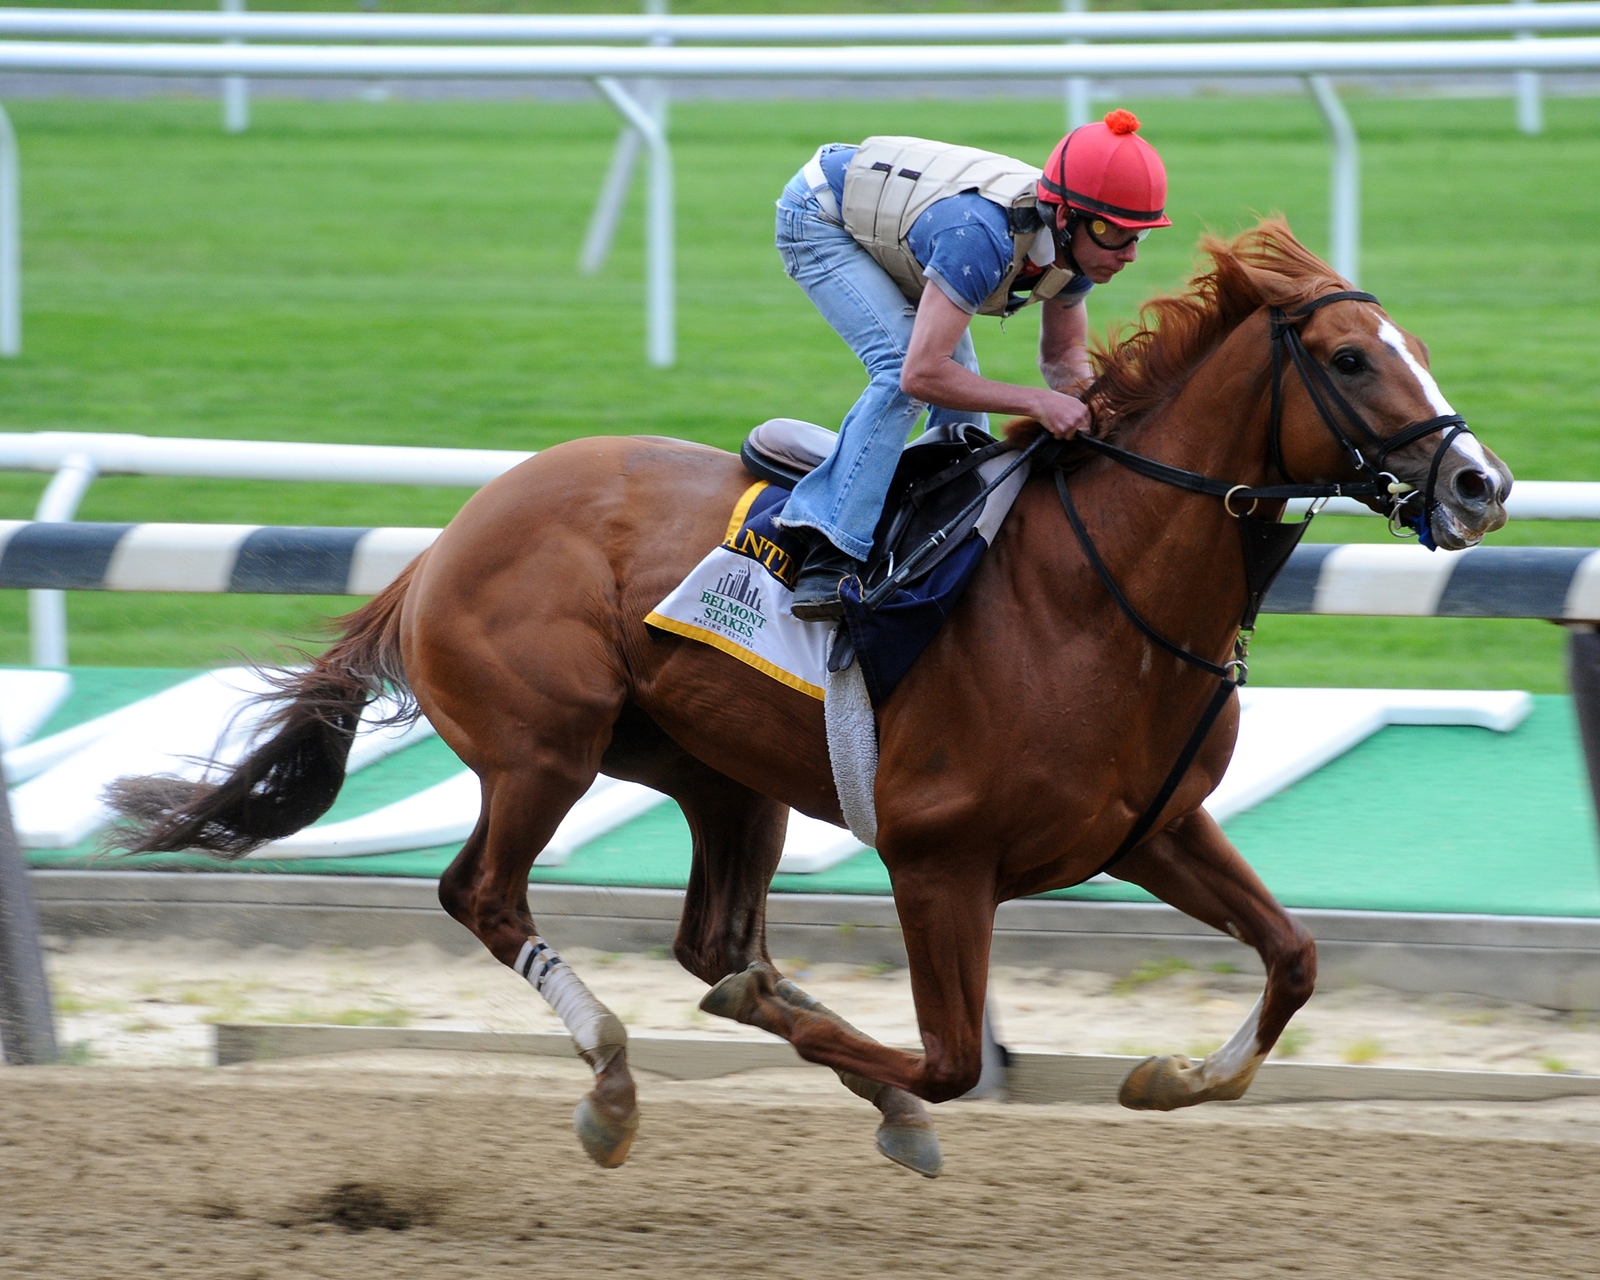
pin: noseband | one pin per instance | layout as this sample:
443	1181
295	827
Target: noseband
1266	543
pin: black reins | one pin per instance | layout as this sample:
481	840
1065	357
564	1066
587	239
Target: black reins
1266	543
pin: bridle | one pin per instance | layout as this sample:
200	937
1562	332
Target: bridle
1379	485
1266	544
1331	405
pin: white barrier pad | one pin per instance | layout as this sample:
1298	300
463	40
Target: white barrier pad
1286	734
813	845
174	732
443	814
447	812
27	700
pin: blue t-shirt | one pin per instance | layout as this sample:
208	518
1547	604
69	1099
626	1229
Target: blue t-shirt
963	243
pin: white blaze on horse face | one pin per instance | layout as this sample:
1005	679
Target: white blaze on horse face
1466	442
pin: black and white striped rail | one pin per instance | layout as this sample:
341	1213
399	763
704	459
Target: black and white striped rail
279	560
1405	580
1557	583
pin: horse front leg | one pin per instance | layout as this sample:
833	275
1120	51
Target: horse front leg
1192	866
947	929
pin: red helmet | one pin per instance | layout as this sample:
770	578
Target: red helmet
1106	168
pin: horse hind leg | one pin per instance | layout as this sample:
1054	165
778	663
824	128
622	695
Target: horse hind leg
486	889
738	840
1192	866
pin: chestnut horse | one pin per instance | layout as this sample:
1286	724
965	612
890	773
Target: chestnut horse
1016	756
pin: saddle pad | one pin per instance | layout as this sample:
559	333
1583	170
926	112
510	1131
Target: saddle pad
737	598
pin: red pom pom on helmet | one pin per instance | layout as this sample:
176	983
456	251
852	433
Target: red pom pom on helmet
1122	121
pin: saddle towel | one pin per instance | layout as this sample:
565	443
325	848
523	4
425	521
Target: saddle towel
737	599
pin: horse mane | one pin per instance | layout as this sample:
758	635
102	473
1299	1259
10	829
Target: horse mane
1138	372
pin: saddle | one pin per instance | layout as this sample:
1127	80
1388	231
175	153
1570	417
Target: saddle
938	475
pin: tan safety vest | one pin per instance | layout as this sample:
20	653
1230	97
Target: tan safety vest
891	182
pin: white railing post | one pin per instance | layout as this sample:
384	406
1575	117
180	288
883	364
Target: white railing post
608	208
235	89
47	610
1078	108
659	234
1530	103
619	175
10	241
1344	182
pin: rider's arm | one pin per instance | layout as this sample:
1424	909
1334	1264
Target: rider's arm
1064	344
932	376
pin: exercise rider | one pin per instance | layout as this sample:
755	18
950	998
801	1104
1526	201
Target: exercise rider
863	230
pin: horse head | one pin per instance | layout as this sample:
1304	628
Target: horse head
1457	487
1354	399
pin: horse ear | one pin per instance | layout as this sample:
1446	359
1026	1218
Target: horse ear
1021	430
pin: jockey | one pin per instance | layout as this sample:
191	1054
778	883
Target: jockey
863	230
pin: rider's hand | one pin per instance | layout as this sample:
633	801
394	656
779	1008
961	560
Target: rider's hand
1062	416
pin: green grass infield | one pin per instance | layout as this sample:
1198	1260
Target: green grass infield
405	273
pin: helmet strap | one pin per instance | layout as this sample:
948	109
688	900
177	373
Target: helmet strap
1064	236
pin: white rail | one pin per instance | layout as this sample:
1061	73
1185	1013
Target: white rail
958	28
133	455
929	63
78	458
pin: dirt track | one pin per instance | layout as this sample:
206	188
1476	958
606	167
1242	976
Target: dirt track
439	1166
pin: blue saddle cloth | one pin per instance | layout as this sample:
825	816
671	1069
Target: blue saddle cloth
889	638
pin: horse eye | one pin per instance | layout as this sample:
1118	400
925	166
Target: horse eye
1350	362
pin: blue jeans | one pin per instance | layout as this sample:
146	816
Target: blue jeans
843	498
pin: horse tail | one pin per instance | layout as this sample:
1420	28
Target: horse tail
292	778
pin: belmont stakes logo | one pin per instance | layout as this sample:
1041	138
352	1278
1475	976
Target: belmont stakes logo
733	606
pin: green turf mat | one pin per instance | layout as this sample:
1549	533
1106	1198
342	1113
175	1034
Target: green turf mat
1414	819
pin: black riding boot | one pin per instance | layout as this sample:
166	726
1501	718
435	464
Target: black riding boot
816	593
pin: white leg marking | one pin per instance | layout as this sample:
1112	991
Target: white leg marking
598	1033
1240	1051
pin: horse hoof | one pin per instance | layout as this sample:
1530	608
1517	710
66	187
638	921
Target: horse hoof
736	996
916	1146
605	1138
1158	1084
1172	1081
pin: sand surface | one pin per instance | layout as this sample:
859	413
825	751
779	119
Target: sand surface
440	1165
143	1161
152	1003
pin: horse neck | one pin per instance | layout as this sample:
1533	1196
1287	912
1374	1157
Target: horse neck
1176	555
1217	423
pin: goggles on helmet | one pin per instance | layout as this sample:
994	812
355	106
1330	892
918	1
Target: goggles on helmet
1108	235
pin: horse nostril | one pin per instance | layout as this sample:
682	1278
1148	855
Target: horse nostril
1473	486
